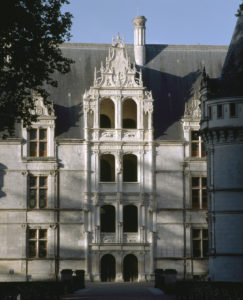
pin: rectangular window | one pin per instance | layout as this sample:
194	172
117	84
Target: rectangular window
200	243
199	192
210	112
38	142
37	243
197	145
232	110
38	191
219	111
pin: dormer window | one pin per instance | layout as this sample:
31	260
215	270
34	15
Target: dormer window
197	145
38	142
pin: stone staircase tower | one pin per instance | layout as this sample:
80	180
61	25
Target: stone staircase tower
118	199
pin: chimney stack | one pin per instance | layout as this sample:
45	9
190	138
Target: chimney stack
139	40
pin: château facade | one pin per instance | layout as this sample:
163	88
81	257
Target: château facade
112	178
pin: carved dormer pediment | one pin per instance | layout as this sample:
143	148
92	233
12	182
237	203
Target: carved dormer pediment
43	110
118	71
192	108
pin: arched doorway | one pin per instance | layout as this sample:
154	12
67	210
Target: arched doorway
108	268
130	268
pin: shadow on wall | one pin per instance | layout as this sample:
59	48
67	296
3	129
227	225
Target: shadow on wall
68	117
2	173
170	93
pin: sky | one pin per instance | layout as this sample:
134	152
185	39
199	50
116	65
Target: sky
205	22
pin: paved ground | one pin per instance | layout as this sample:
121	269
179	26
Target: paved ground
118	291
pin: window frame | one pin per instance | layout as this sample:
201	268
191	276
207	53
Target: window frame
38	187
126	214
210	114
202	240
37	240
109	211
38	141
220	111
124	117
124	168
105	157
233	115
199	143
201	187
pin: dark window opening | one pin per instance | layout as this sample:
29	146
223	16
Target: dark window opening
200	243
129	124
199	192
129	120
203	149
130	168
219	111
105	121
107	168
37	192
209	112
194	143
197	145
107	218
37	243
38	142
130	218
107	114
232	110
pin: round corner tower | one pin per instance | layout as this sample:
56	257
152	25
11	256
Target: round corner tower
222	132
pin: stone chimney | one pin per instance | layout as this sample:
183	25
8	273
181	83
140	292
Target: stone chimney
139	40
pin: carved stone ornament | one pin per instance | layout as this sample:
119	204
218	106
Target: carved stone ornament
148	94
117	71
107	134
42	109
53	226
192	109
148	107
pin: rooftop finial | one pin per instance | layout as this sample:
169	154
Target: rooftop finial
118	38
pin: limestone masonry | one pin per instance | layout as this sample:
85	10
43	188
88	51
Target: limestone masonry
112	178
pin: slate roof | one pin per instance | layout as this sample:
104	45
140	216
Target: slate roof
171	72
230	83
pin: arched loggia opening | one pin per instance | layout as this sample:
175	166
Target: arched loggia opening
130	268
107	114
107	218
107	168
129	109
130	218
108	268
130	168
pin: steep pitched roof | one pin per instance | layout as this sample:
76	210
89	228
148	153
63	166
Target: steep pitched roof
232	73
171	72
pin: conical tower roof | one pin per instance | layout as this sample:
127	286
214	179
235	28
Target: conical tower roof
232	72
